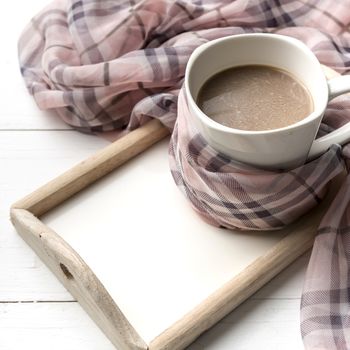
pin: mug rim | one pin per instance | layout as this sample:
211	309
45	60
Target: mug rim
317	112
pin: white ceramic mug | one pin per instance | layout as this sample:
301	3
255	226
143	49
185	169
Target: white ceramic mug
281	148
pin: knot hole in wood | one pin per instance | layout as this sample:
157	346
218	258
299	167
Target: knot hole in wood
66	272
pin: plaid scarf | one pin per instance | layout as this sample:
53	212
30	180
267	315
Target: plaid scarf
106	65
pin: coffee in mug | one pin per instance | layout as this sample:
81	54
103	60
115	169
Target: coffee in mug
255	97
280	147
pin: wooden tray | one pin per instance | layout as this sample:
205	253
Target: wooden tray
130	249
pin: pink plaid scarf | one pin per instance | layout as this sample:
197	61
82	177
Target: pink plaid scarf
106	65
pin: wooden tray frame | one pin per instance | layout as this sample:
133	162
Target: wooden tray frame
84	285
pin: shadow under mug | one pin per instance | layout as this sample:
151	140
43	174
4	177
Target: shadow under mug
282	148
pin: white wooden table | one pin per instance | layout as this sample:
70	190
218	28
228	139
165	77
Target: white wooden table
36	312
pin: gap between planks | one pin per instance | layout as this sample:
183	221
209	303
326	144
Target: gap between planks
36	301
34	130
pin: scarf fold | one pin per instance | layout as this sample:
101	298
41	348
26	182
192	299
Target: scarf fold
115	64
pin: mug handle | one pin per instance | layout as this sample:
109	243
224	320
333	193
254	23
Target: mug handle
336	86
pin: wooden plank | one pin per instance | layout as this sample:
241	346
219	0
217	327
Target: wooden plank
31	158
78	278
90	170
24	115
256	325
54	326
65	325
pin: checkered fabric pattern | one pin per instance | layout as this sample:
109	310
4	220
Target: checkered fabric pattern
115	64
